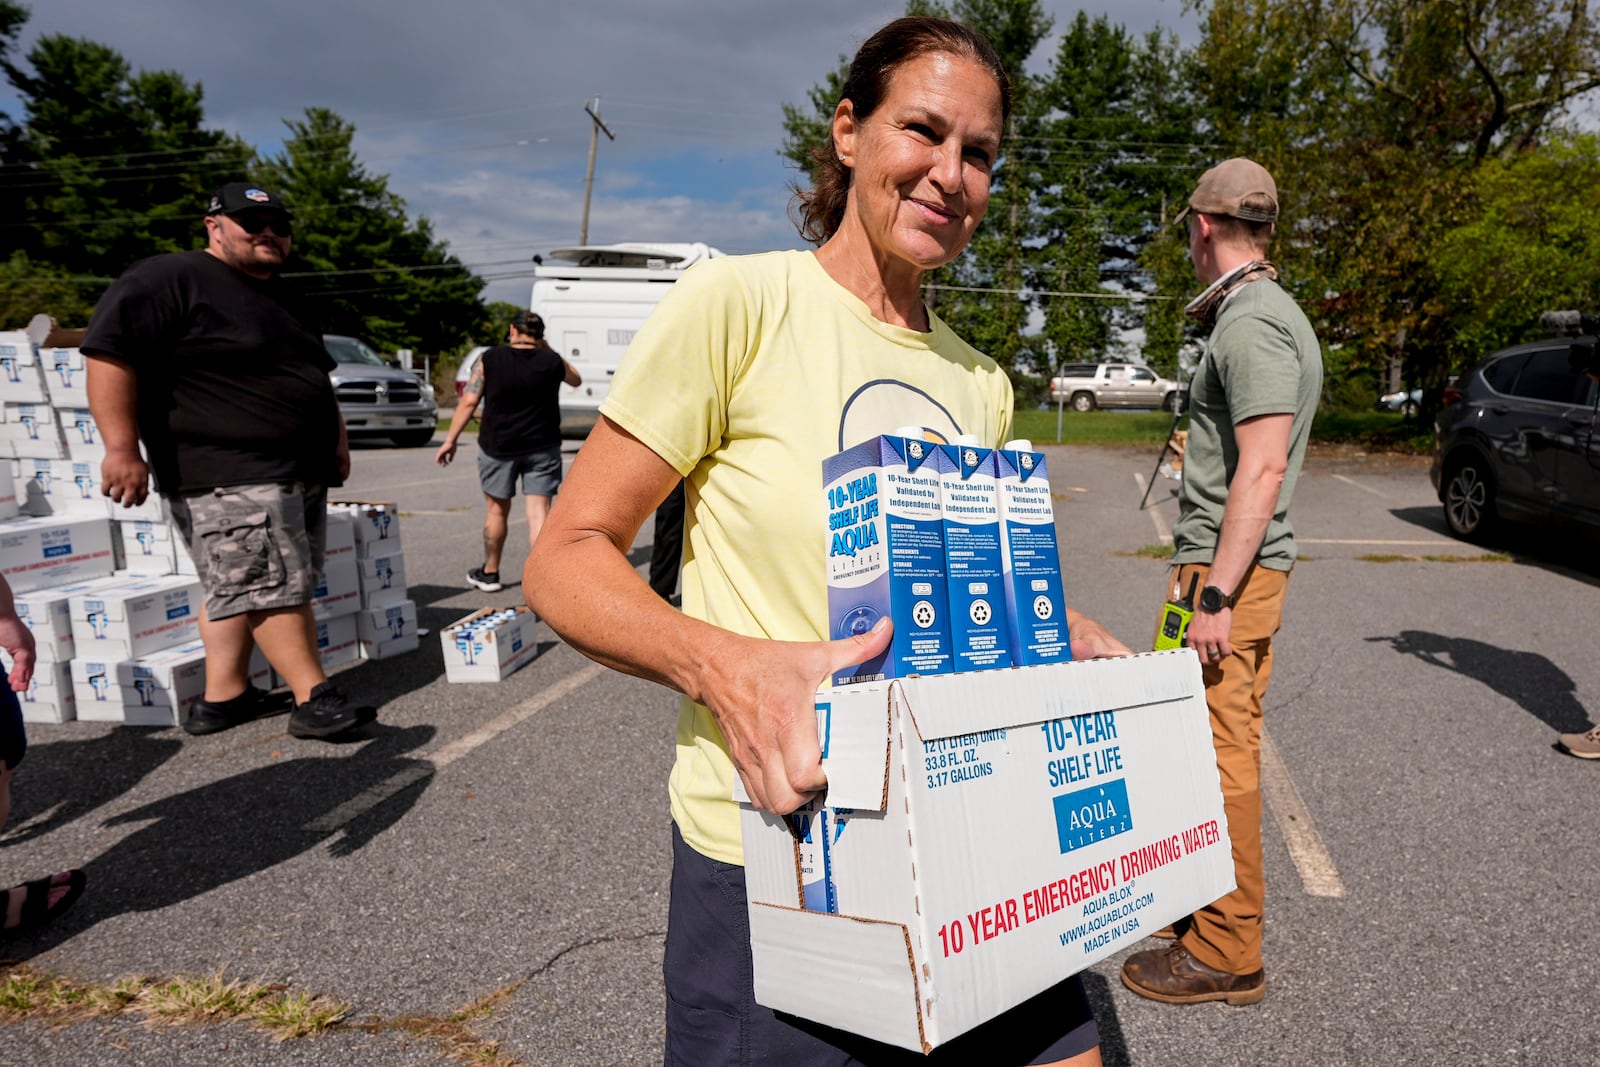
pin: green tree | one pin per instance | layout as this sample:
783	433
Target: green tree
369	270
107	165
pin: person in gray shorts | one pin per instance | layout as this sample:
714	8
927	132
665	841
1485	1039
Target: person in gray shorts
205	360
519	384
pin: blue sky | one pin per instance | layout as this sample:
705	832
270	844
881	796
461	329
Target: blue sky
475	109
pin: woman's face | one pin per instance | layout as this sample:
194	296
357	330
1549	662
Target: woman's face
922	161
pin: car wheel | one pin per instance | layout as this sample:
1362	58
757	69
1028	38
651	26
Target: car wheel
414	439
1173	403
1469	499
1082	401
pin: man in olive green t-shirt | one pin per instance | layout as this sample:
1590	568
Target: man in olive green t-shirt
1251	403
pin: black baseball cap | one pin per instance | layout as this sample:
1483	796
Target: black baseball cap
236	197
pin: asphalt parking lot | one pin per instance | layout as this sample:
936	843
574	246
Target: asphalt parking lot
486	869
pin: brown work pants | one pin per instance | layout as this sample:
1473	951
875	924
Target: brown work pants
1226	934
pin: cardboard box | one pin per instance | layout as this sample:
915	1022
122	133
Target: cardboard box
61	487
338	589
49	696
48	614
376	525
383	579
30	431
16	347
10	496
488	645
1036	609
78	429
145	553
22	383
388	630
65	379
162	685
336	641
135	617
987	835
39	553
96	695
340	536
154	508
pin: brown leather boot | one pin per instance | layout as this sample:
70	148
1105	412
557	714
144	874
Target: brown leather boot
1172	976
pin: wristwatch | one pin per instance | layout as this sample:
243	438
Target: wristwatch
1213	600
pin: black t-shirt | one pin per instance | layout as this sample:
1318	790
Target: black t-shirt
232	378
522	400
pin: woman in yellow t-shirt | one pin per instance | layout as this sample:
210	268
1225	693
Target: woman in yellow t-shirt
751	371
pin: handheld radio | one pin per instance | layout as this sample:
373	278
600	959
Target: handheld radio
1175	618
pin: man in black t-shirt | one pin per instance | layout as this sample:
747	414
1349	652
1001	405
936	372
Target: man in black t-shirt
520	437
202	357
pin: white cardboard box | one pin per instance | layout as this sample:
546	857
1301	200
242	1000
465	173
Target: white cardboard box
376	525
49	696
146	551
60	487
383	579
339	541
387	630
154	508
47	612
985	835
10	496
336	641
78	429
39	553
96	695
162	684
475	651
31	431
16	347
135	617
65	377
22	383
338	589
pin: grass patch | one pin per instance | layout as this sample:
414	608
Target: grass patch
1159	550
451	1032
1389	557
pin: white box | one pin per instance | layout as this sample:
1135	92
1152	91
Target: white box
22	383
161	685
376	525
49	696
65	377
388	630
992	833
96	695
38	553
145	550
135	617
47	612
61	487
31	431
154	508
489	644
383	579
78	429
10	502
16	347
340	539
338	589
336	641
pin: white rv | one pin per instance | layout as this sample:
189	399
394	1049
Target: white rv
593	300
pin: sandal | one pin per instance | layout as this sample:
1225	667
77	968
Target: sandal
37	911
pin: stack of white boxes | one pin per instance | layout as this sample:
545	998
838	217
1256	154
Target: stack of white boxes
109	592
386	619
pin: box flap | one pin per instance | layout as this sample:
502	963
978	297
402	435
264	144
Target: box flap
853	732
953	704
858	973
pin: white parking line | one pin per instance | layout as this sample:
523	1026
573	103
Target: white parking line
370	798
1163	531
1317	872
1358	485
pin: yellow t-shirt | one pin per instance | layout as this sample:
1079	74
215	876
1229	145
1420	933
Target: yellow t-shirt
752	371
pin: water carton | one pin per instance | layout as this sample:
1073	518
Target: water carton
383	579
979	636
885	552
10	493
49	696
387	630
61	487
489	644
338	590
135	617
336	641
1036	608
43	552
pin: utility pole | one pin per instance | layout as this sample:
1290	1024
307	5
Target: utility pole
588	183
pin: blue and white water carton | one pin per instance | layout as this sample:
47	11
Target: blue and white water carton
979	636
885	549
1036	607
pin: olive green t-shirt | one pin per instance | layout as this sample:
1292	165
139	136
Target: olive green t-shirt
1263	359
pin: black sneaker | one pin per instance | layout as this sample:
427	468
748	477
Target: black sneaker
327	713
488	581
209	717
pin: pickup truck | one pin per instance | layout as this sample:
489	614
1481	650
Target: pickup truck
1086	386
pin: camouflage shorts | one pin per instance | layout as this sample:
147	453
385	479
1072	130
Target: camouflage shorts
255	547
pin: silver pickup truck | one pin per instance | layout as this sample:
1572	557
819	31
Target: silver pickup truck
1086	386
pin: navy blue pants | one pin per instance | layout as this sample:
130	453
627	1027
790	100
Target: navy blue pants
13	739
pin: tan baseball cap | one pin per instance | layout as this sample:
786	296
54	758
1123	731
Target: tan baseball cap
1240	188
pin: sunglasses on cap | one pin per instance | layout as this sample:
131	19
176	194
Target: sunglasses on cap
254	223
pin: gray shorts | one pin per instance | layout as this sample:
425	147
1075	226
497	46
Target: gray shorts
540	473
255	547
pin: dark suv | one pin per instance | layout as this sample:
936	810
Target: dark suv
1516	439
